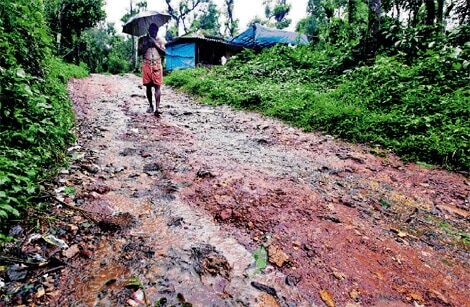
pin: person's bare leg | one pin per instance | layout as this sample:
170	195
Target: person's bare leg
149	98
158	95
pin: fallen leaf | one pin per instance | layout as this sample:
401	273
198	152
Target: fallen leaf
327	298
71	252
339	275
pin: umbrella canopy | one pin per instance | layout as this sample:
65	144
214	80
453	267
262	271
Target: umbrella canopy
139	24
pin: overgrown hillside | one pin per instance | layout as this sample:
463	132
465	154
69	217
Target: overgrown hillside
35	112
418	107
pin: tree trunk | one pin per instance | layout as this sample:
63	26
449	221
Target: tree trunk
133	59
351	11
430	12
372	43
440	14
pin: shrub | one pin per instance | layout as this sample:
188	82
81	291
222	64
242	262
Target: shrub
419	109
35	112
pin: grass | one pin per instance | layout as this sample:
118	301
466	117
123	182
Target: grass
420	111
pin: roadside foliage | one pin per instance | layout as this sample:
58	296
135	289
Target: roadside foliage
417	107
35	113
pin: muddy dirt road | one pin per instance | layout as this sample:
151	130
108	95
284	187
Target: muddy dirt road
197	191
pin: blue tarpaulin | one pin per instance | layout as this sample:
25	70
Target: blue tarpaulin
257	37
180	56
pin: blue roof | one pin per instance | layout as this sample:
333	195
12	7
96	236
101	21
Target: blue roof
258	36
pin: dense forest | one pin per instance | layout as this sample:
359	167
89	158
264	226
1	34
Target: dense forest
391	73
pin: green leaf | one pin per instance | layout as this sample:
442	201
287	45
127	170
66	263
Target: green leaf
261	259
8	208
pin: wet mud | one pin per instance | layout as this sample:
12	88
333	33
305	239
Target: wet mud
190	196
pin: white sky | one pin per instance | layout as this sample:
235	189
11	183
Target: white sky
244	10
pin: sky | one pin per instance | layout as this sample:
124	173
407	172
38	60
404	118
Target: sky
244	10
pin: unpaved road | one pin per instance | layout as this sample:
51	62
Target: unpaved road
206	186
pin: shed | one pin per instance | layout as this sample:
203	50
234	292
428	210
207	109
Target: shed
258	37
192	50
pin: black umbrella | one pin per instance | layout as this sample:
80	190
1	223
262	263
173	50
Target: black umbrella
139	24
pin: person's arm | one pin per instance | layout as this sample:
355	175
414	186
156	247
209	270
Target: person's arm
160	44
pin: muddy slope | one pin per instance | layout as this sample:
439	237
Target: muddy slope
203	187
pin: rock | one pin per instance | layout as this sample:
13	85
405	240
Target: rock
120	220
55	241
38	259
354	294
438	296
99	188
138	296
16	231
203	173
226	214
330	217
93	168
207	260
41	292
264	288
338	275
277	256
128	152
72	228
72	251
348	201
17	272
86	253
327	298
145	154
415	297
266	300
293	280
175	221
152	169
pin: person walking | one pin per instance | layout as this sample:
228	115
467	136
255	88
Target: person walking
152	50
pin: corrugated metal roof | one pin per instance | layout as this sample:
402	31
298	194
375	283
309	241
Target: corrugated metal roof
198	37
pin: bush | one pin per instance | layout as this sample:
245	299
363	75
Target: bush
419	109
35	112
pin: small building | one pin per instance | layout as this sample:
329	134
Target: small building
258	37
197	50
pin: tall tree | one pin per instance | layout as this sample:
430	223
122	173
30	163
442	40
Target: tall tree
69	18
134	9
352	8
440	14
182	12
372	42
208	20
231	23
310	25
430	12
276	13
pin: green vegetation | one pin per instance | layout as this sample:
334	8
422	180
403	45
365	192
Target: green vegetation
387	73
261	259
419	110
35	111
